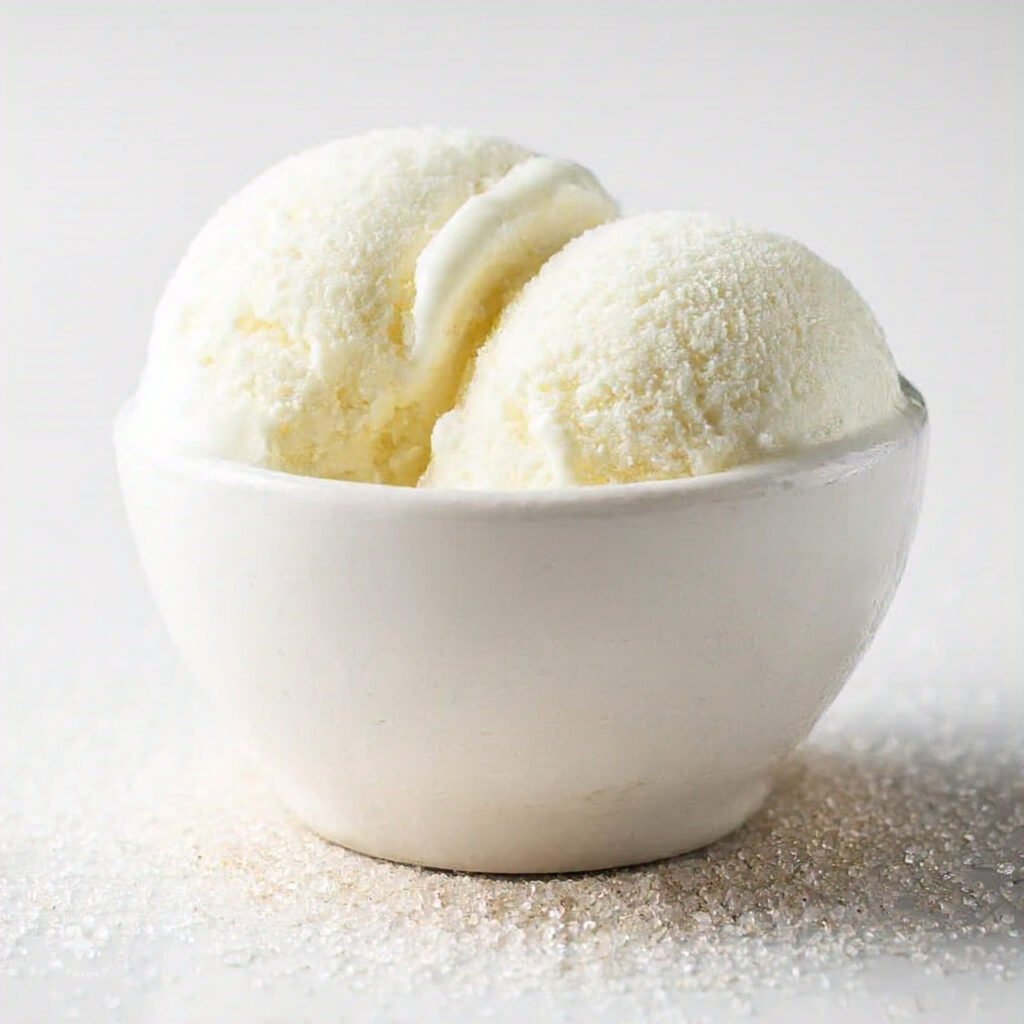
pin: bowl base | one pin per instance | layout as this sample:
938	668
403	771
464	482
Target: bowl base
536	841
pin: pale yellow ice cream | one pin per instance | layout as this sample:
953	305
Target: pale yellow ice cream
322	319
661	346
447	308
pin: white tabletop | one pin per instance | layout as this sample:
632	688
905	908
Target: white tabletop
146	874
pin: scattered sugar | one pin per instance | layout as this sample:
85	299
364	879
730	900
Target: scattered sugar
138	850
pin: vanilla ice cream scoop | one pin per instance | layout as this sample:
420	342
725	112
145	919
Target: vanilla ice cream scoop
321	320
660	346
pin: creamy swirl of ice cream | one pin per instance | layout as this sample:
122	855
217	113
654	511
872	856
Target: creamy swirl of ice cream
321	320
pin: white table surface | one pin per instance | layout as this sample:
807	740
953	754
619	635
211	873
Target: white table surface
146	874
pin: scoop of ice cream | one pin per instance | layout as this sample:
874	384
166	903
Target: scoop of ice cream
660	346
321	320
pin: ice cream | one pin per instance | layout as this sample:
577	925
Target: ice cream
449	309
321	320
665	345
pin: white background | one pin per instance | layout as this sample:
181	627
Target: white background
886	136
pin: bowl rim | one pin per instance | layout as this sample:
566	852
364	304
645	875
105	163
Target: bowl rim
815	465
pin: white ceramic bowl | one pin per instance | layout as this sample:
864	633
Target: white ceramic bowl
531	681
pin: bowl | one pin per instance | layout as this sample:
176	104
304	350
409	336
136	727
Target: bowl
526	682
